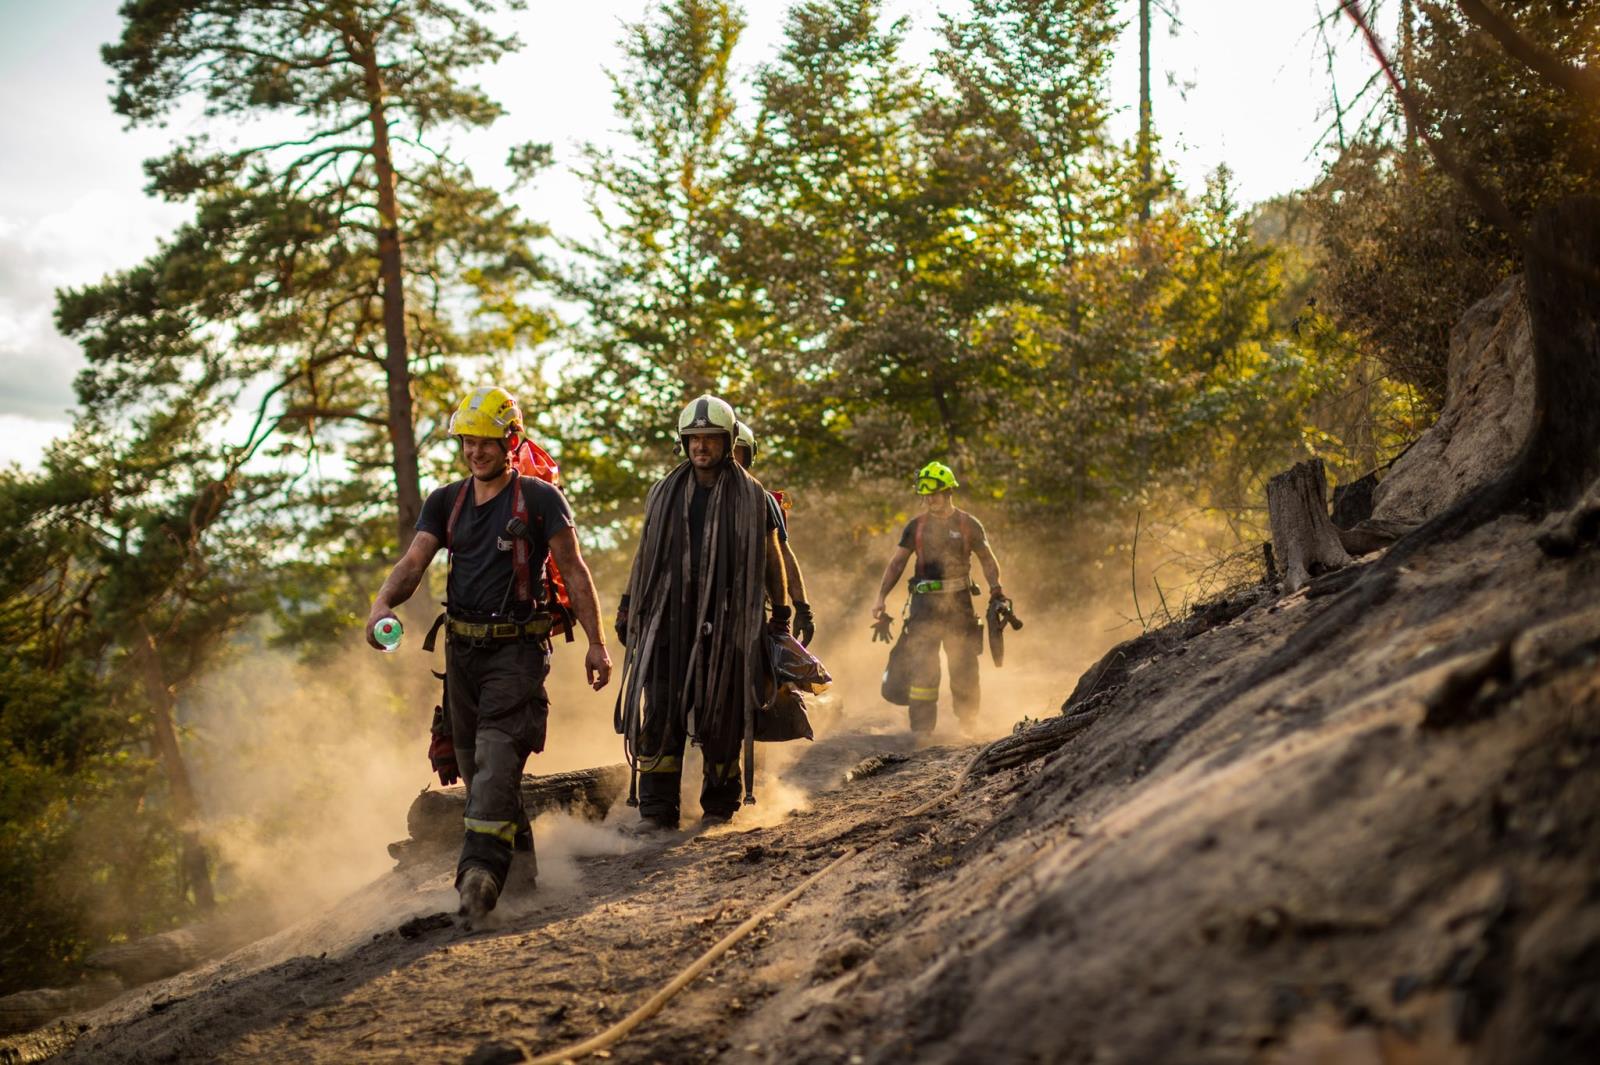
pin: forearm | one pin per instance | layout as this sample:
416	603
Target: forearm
585	601
891	577
991	568
792	576
777	590
401	584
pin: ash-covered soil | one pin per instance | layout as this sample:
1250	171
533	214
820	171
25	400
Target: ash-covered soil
1388	852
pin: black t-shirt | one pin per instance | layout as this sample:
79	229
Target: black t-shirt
481	570
775	518
697	521
946	555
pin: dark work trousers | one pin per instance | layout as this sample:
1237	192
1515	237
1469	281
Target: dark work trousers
943	620
660	754
498	715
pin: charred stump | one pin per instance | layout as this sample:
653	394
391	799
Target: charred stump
1304	540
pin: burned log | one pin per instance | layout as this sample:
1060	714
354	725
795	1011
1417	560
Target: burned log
27	1010
166	953
1304	540
1031	744
435	816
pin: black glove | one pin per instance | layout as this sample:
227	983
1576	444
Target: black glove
883	629
805	626
622	622
779	625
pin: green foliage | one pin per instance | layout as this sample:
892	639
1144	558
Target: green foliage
659	323
122	563
1406	251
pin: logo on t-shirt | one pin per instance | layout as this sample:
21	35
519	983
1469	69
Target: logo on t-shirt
502	544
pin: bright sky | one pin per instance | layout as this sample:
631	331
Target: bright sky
1241	81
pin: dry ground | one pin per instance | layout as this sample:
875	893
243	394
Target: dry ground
1310	874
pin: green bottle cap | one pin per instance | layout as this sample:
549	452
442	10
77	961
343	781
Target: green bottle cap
387	632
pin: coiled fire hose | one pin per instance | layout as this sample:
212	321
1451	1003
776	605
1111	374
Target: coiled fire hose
654	1004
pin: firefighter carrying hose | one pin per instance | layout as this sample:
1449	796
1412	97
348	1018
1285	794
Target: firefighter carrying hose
805	626
499	527
942	539
694	621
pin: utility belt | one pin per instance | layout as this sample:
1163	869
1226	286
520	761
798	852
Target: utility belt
943	587
536	628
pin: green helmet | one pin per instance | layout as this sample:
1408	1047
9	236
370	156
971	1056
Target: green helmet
708	414
935	477
744	436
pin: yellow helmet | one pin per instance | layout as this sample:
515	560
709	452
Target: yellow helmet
489	411
935	477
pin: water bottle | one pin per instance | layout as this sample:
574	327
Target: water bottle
388	632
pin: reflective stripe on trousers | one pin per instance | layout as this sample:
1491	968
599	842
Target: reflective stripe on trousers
504	831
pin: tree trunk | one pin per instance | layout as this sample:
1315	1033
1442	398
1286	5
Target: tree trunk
1146	165
195	867
397	358
1304	540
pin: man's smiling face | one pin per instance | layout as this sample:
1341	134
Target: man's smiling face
485	455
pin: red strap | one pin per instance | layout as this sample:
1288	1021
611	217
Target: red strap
521	553
455	512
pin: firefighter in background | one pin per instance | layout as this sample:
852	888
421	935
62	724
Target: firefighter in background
805	626
943	540
499	527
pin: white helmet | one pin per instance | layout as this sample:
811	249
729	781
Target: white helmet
744	436
708	414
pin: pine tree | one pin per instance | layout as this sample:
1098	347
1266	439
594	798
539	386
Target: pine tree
333	262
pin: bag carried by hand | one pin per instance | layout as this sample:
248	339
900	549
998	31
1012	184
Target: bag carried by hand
792	672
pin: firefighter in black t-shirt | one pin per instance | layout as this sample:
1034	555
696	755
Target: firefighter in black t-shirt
943	539
498	626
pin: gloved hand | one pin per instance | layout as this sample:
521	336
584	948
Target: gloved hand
622	622
883	629
997	592
778	625
805	626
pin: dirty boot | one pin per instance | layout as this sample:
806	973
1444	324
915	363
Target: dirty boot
646	827
478	893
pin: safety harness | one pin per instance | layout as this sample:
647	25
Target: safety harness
920	586
547	614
